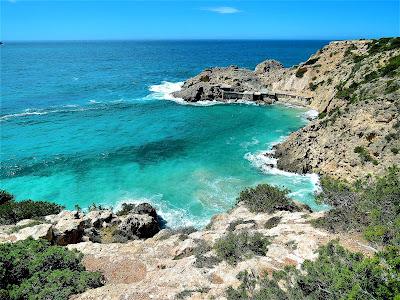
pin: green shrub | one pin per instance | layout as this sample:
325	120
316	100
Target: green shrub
335	274
272	222
236	246
311	61
371	207
384	44
394	150
390	68
300	72
33	269
364	155
126	208
313	86
266	198
12	212
5	197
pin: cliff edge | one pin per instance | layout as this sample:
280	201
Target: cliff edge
355	87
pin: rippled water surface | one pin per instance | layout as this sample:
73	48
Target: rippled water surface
85	122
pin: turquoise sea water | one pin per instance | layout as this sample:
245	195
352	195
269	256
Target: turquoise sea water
93	122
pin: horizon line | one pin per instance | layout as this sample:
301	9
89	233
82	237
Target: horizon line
187	39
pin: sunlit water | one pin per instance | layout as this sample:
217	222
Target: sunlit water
93	122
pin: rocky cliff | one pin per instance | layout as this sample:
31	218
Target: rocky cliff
355	87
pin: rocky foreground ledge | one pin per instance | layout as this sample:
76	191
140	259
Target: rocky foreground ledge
183	264
140	261
355	87
98	226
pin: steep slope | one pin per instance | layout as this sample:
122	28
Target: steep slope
355	87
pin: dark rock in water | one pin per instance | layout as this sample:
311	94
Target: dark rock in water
145	209
138	226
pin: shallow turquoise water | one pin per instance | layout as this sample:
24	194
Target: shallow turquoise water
99	130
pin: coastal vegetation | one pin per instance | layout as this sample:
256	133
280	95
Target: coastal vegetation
12	211
336	274
235	247
370	207
266	198
389	69
33	270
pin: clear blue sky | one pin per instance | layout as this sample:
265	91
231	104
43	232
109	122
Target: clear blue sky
285	19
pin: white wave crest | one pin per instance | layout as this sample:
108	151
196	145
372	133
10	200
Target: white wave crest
175	217
311	114
164	90
266	163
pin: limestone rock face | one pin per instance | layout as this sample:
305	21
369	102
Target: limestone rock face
139	226
100	218
268	66
69	229
41	231
145	209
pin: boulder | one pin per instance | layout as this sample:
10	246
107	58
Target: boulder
145	209
69	228
100	218
41	231
268	66
140	226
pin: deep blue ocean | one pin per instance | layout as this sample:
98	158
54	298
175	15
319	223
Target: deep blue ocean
94	122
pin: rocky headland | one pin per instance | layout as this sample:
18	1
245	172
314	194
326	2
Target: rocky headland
355	87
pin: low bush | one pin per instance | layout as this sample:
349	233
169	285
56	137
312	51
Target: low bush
126	208
383	44
266	198
311	61
390	68
335	274
364	155
371	207
272	222
300	72
12	211
5	197
234	247
36	270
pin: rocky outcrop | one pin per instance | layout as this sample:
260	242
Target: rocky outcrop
207	85
267	67
71	227
172	264
135	226
355	87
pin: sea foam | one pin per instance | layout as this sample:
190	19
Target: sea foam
175	217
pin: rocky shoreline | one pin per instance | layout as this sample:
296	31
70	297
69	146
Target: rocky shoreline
357	130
